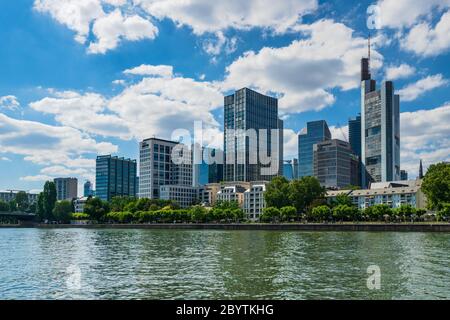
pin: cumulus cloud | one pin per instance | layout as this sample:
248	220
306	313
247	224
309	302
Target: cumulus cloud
220	43
425	134
419	88
9	103
398	72
212	16
5	159
150	70
48	145
425	40
91	17
303	73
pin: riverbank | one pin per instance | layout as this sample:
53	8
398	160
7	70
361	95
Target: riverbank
391	227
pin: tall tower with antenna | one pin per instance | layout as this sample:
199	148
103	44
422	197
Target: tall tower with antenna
380	128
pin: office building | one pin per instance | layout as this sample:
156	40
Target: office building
380	129
158	168
403	175
215	170
210	170
88	190
315	132
246	112
185	196
290	169
115	177
254	201
233	192
335	164
354	134
66	188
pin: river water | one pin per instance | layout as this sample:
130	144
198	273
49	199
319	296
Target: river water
199	264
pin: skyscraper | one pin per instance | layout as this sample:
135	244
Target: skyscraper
335	164
115	176
66	188
157	168
290	169
88	191
354	132
243	111
316	131
380	129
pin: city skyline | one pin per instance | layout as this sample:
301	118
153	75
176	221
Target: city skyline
53	125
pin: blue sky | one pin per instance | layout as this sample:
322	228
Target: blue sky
83	77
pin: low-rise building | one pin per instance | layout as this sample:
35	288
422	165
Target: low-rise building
393	194
10	195
233	191
185	196
79	203
254	201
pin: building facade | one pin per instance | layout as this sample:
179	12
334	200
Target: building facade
254	203
315	132
247	110
233	192
66	188
115	177
158	168
10	195
354	134
335	164
380	129
88	190
79	204
290	169
185	196
393	194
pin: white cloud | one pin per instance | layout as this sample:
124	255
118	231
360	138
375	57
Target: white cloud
150	70
417	89
212	16
49	145
36	178
220	43
303	73
290	144
425	134
5	159
9	103
339	132
87	112
90	17
427	41
398	72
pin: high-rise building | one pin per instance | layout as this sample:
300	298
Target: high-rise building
315	132
209	170
290	169
403	175
244	111
66	188
158	168
115	177
335	164
88	190
215	170
380	129
354	134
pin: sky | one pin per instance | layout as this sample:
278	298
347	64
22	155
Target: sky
80	78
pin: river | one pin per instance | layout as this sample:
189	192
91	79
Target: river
200	264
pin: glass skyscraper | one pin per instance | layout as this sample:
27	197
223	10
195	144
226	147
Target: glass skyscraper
316	131
290	169
247	109
354	133
115	177
380	130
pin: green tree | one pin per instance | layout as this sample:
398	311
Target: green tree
288	212
96	208
49	200
405	211
444	212
63	210
303	192
40	206
436	185
13	205
270	214
119	203
22	201
4	206
198	214
226	205
320	213
380	211
276	193
343	199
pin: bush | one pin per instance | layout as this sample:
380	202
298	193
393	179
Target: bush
288	213
79	216
270	214
320	213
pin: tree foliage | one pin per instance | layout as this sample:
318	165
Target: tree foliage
436	185
63	210
277	191
303	192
